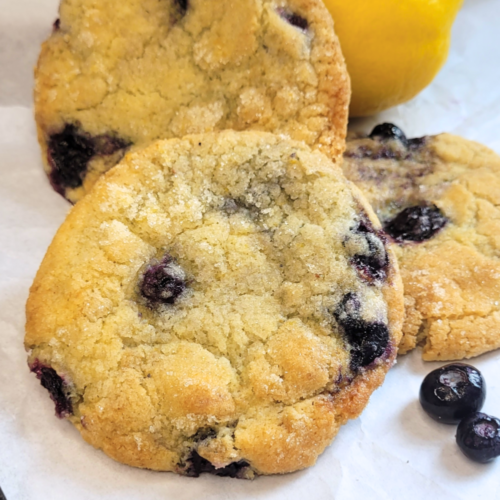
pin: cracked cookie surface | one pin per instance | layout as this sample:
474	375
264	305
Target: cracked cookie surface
117	75
203	308
439	198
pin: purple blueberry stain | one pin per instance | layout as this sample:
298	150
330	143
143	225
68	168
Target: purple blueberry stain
70	151
363	151
417	142
56	25
368	340
163	282
242	204
371	260
417	223
56	386
107	144
230	206
294	19
196	465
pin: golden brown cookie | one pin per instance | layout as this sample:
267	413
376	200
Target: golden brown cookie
119	74
221	303
439	198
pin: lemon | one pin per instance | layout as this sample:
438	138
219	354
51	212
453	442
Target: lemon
393	48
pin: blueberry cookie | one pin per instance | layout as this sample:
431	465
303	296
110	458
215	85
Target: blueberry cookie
220	303
438	198
119	74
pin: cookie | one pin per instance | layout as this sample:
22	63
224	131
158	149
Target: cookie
116	75
220	303
438	197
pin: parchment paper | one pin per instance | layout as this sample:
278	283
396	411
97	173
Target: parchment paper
392	451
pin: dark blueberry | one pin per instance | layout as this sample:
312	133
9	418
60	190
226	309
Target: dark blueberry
372	265
2	496
450	393
58	391
56	26
387	131
416	223
182	5
163	283
478	436
368	340
294	19
70	151
197	465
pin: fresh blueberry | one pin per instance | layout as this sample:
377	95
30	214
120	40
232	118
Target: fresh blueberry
163	282
368	340
197	465
373	264
388	131
452	392
416	223
478	436
58	391
294	19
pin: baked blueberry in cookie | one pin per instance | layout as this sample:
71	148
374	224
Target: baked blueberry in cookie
206	301
370	256
70	151
163	282
197	465
368	340
50	380
183	5
294	19
158	69
437	197
417	223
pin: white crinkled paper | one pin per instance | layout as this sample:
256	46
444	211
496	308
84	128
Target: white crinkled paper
392	451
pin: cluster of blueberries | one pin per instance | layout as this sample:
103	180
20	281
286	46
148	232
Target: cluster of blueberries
455	394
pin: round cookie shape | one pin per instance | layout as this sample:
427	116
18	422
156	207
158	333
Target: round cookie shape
203	308
115	76
438	198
